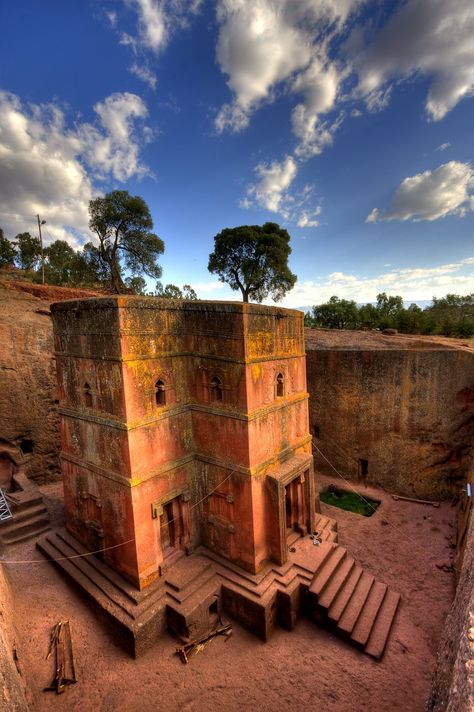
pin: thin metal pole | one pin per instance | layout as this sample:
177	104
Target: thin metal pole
42	251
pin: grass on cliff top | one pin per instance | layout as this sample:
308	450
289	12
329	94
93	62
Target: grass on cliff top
350	501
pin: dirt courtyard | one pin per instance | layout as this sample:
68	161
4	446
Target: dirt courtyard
306	669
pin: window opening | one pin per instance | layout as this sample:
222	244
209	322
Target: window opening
363	469
160	393
26	446
216	389
88	395
279	385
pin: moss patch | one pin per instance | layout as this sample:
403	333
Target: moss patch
350	501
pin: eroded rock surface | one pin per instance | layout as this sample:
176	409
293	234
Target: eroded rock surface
28	411
392	411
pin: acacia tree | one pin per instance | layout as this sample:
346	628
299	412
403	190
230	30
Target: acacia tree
123	224
254	259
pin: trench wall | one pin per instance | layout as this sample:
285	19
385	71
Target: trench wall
12	691
28	400
400	419
453	682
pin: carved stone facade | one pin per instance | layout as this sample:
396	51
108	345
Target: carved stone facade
183	423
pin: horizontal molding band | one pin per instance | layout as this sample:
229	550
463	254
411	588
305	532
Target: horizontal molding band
180	354
174	411
136	480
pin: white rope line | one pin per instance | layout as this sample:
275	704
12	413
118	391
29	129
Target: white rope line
107	548
394	526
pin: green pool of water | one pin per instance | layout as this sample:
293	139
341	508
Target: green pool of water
350	501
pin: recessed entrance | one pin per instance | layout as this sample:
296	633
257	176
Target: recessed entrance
294	508
173	536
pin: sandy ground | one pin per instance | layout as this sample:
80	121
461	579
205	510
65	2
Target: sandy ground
306	669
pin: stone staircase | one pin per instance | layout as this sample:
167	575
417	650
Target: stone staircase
320	579
352	601
30	517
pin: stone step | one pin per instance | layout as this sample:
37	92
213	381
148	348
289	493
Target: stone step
32	532
20	504
327	571
197	586
337	582
341	600
356	603
383	625
22	515
328	535
126	588
66	557
323	522
29	527
362	629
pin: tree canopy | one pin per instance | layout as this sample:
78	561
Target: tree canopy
254	259
29	250
123	224
171	291
7	250
452	315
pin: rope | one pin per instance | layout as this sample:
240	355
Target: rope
369	504
107	548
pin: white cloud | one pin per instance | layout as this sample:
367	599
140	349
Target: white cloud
443	146
152	23
144	73
319	85
43	163
431	195
114	148
413	284
432	38
271	190
207	287
264	43
308	219
257	48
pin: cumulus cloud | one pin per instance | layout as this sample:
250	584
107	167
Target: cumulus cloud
413	284
431	195
264	43
43	164
432	38
443	146
319	85
271	189
157	20
152	23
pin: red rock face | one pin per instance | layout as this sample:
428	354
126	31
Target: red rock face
395	412
183	423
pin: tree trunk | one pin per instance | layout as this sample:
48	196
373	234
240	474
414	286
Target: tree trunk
117	282
245	295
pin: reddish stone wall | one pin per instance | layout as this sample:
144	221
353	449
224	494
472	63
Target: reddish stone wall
217	428
28	391
453	682
408	412
12	686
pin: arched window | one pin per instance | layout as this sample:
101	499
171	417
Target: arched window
216	389
88	402
160	393
280	383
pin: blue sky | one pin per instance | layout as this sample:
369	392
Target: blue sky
347	122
